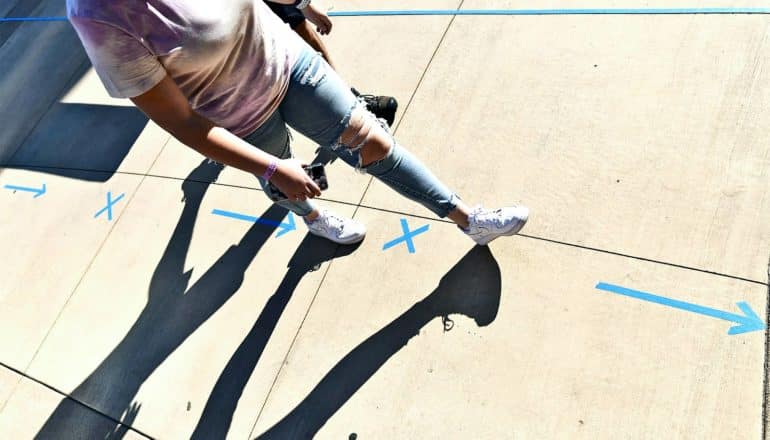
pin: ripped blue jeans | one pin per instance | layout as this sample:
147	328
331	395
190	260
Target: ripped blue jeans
319	105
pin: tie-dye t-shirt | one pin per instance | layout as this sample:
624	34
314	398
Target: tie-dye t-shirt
231	58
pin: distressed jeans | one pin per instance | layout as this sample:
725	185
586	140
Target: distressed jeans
319	105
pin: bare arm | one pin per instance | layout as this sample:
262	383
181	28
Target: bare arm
316	16
167	106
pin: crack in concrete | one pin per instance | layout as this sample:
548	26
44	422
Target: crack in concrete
765	390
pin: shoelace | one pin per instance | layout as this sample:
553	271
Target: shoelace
333	222
371	101
483	216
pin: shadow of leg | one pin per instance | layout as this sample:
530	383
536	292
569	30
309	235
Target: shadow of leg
172	313
471	288
219	410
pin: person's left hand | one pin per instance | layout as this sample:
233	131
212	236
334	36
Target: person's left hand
318	18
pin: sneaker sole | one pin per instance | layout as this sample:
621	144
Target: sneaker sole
513	231
351	241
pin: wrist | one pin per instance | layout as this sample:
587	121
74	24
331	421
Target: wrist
270	170
301	4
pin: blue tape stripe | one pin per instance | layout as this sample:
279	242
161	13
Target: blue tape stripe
407	236
670	302
235	215
748	322
110	203
392	243
16	19
118	199
622	11
589	11
285	227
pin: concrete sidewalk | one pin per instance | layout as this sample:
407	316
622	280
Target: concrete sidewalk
640	144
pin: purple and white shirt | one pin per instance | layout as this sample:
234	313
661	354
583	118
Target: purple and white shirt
231	58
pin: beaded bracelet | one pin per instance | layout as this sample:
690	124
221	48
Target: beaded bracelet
270	170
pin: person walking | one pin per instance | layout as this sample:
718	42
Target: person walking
226	78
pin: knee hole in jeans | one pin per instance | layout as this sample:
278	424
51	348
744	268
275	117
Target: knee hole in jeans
368	136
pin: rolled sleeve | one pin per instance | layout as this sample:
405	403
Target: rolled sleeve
125	66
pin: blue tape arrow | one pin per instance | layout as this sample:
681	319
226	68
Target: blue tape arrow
285	227
748	322
38	191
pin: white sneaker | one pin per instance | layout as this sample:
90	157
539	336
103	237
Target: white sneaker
337	229
486	224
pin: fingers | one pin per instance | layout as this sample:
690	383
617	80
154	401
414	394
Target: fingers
313	189
299	186
323	25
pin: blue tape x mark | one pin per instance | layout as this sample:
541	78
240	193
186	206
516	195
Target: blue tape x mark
407	237
108	208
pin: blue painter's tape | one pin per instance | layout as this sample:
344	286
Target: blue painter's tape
25	19
235	215
285	228
37	191
110	203
747	322
583	11
407	237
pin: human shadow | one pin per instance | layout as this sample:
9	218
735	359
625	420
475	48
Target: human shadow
45	135
42	61
172	313
218	412
471	288
71	138
45	60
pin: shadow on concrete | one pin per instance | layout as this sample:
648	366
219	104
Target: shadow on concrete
41	62
219	410
174	311
75	137
471	288
15	8
217	416
172	314
44	61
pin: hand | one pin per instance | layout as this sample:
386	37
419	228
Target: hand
318	18
293	181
